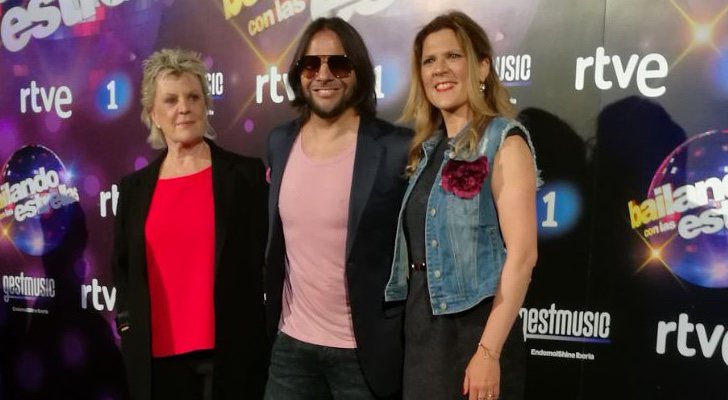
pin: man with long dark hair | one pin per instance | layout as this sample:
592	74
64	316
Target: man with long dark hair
336	186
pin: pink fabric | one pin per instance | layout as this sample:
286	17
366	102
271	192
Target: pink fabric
180	246
314	209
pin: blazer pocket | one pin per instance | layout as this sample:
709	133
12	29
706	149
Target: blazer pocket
122	323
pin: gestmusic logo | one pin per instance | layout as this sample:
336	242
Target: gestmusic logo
684	219
566	325
27	287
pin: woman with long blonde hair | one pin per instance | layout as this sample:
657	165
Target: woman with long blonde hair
471	196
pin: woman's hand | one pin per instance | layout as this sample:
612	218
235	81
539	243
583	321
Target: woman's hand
482	377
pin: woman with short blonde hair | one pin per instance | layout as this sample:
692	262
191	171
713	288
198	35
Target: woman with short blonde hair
189	238
175	62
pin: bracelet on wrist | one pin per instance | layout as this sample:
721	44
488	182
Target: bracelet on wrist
489	354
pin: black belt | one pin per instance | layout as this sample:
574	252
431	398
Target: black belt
421	266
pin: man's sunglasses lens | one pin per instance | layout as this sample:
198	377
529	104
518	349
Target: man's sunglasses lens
339	65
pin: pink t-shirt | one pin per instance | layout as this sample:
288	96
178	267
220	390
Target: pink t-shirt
180	245
314	209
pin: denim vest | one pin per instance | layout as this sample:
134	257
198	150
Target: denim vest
464	249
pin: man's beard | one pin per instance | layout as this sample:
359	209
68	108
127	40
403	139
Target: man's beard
334	112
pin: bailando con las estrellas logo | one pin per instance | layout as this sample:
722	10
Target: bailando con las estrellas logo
684	220
35	190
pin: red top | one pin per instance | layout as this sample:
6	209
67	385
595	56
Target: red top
180	246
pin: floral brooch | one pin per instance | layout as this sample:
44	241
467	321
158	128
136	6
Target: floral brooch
465	178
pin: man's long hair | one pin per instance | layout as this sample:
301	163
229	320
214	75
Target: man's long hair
364	98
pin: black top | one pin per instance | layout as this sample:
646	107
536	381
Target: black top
414	217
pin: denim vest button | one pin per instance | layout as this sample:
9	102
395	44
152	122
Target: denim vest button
437	273
443	306
433	211
433	243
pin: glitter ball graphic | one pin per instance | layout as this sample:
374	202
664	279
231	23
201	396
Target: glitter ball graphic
694	242
34	191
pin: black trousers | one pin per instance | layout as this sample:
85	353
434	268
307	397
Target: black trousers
183	377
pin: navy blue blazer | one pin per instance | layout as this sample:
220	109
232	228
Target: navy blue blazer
377	188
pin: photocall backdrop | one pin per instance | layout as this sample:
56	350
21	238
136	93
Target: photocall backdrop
626	101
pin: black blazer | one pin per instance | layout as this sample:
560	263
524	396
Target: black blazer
240	356
377	188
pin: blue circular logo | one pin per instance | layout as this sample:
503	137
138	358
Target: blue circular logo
114	95
558	208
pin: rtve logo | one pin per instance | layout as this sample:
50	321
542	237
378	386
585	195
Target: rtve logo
44	100
274	80
106	197
684	333
647	72
101	297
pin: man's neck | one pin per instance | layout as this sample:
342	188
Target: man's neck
326	137
331	128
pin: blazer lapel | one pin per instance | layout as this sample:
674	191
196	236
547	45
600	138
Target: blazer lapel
279	156
366	163
142	200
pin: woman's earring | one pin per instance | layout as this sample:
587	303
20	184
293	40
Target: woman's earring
482	87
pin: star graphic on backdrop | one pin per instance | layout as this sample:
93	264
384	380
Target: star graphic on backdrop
265	62
702	32
655	254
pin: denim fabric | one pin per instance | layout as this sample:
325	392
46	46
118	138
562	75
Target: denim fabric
464	248
304	371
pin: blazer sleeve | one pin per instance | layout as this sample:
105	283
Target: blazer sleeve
260	204
120	260
269	150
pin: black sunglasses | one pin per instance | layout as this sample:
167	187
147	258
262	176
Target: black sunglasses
339	65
